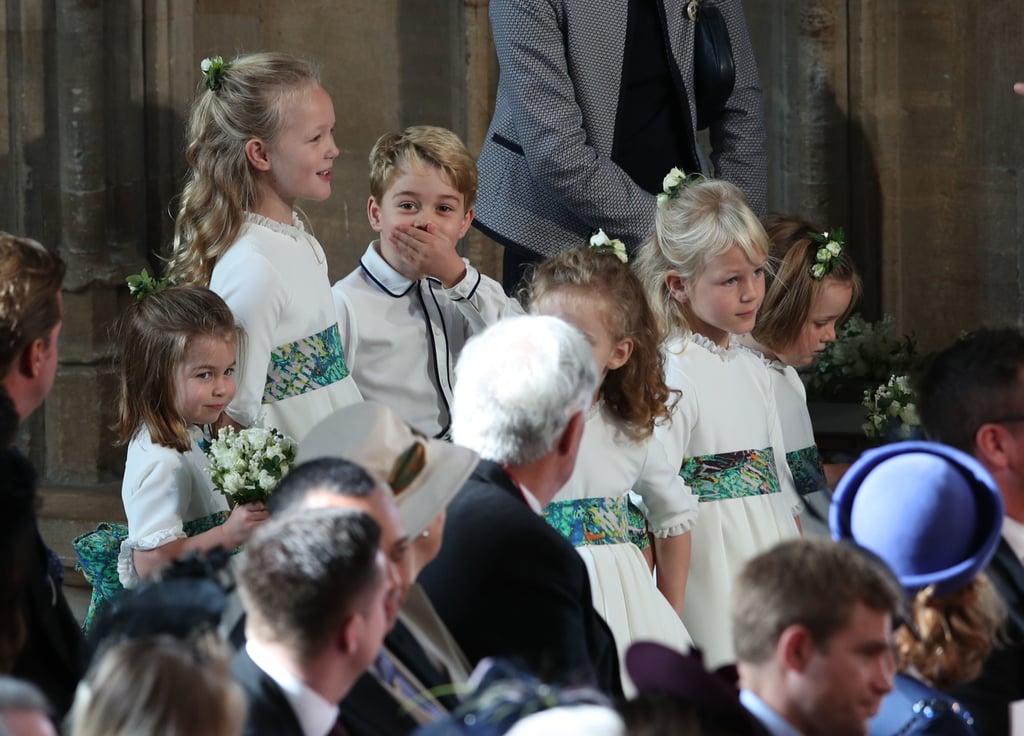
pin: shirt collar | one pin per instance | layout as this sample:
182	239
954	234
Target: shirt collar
381	272
1013	533
315	714
772	721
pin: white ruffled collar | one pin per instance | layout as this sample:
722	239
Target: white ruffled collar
773	363
713	347
296	230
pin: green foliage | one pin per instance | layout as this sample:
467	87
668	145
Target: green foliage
864	355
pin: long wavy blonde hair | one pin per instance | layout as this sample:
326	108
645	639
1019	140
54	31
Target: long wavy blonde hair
251	102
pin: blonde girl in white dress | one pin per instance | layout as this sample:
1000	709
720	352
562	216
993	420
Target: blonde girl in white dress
260	137
703	269
597	293
813	289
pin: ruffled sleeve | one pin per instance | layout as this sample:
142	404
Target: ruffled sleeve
671	507
156	490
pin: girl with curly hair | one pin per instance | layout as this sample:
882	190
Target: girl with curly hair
600	295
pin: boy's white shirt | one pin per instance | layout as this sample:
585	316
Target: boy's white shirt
402	337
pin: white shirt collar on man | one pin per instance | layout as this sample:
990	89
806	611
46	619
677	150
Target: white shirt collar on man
772	721
1013	533
315	714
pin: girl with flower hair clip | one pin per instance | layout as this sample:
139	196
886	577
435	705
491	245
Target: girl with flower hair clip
260	137
703	269
177	376
594	290
813	290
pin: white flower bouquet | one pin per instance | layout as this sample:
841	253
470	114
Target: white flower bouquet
248	465
891	411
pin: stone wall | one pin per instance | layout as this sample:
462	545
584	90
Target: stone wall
895	119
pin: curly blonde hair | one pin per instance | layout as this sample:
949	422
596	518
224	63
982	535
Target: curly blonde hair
791	288
635	392
957	633
704	220
251	102
30	306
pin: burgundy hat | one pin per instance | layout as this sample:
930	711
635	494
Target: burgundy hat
654	667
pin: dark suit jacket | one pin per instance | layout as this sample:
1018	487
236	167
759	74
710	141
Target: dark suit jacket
50	657
370	709
269	713
507	584
914	708
1002	679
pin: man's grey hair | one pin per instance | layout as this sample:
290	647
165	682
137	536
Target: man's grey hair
518	384
18	694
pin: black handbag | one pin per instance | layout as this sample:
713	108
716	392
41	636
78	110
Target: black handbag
714	73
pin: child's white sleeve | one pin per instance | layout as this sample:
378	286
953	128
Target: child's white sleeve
674	434
155	493
257	297
670	505
480	300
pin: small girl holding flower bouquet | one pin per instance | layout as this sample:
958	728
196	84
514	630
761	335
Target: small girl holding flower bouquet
177	376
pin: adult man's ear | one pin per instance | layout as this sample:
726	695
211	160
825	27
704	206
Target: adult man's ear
995	447
569	442
349	633
795	646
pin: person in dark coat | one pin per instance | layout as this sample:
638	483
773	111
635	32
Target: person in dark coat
971	395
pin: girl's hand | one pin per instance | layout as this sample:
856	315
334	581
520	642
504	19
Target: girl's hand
429	252
242	521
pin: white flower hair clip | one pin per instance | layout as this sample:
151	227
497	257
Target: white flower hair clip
601	243
673	183
831	246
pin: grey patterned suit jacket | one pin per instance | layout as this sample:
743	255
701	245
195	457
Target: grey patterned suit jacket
547	181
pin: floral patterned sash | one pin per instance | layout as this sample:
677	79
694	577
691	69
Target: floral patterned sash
305	365
590	520
808	472
731	474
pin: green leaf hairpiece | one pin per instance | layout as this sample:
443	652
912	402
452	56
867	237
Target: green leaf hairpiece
831	244
601	243
142	285
674	182
213	68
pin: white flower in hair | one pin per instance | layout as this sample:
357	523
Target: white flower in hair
600	242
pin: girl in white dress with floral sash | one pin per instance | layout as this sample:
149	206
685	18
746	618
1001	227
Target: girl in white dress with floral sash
618	454
260	137
813	289
703	269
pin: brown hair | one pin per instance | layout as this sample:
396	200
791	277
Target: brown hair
635	392
419	146
957	633
251	102
705	220
791	288
812	582
160	686
304	572
154	336
30	281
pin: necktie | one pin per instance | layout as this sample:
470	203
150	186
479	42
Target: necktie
413	699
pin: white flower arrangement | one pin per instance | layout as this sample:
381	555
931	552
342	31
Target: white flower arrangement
891	411
248	465
600	242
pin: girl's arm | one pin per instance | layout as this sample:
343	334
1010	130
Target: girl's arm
673	555
232	533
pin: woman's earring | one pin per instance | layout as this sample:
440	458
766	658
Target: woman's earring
425	533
